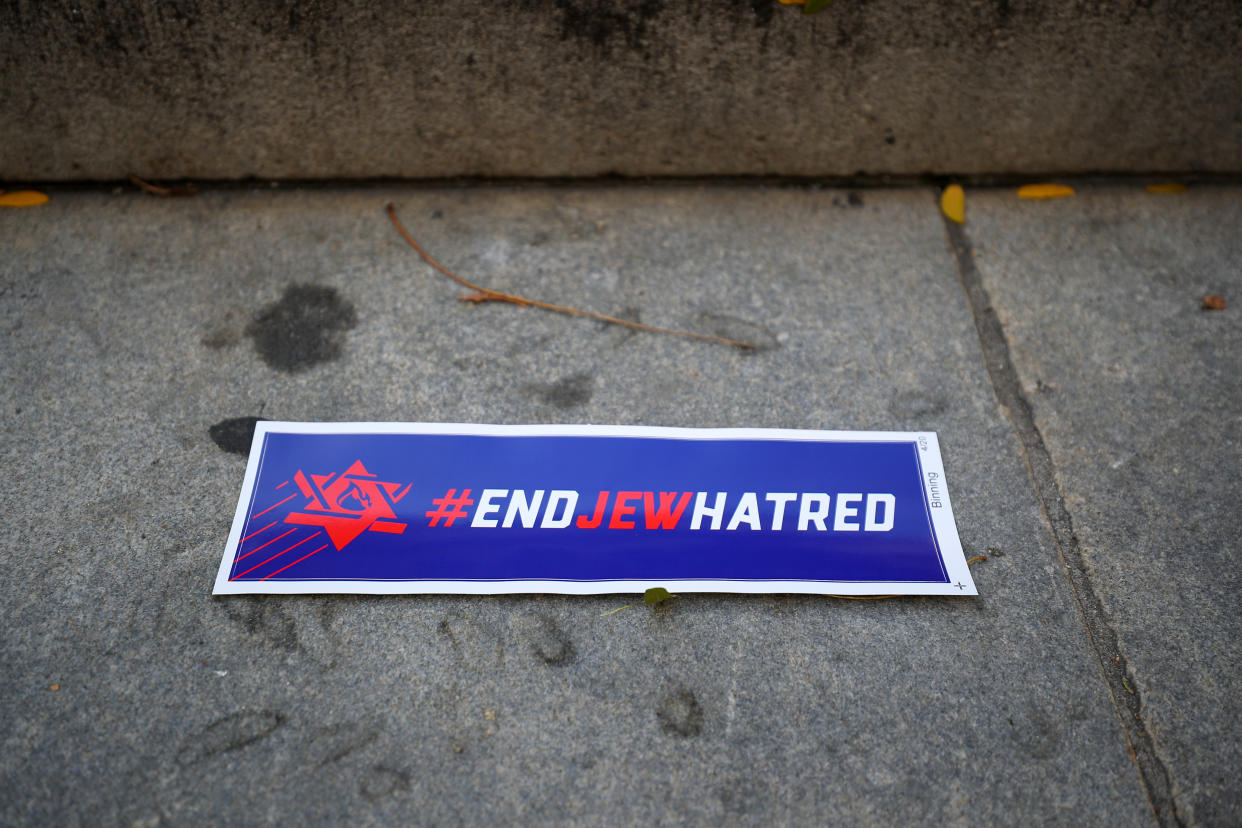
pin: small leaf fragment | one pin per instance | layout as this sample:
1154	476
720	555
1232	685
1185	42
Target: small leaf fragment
814	6
953	203
1043	191
1213	302
23	198
792	2
1167	188
655	595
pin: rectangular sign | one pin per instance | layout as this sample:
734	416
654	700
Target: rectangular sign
444	508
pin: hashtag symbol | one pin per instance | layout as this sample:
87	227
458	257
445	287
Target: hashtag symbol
449	507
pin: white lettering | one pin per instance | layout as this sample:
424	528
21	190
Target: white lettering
486	507
518	506
747	512
890	503
779	500
567	496
808	515
716	512
845	511
879	510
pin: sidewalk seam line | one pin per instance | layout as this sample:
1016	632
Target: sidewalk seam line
1153	773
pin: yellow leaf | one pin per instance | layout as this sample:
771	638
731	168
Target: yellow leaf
1167	188
1041	191
793	2
953	203
23	198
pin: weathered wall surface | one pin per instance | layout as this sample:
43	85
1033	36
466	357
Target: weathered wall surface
92	89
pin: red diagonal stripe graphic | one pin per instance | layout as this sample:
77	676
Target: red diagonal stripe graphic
298	561
264	546
274	557
255	532
273	506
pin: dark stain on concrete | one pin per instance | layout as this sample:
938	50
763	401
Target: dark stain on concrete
335	742
1004	11
569	392
552	645
600	22
732	327
381	782
265	620
854	200
763	9
230	733
1036	733
234	435
476	645
220	339
680	714
304	329
906	406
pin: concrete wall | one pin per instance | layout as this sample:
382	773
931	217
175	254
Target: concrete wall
97	89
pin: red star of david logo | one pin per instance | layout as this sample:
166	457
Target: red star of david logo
349	504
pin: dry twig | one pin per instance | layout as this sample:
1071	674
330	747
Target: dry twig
482	294
153	189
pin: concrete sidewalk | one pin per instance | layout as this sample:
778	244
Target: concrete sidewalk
1087	408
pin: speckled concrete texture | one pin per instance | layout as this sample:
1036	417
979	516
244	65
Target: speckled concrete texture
135	333
330	89
1137	392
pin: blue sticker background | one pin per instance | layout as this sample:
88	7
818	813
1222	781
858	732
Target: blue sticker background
405	473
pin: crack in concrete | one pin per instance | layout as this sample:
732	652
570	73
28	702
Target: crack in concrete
1154	774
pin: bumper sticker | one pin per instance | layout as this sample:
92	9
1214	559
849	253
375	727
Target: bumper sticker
448	508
